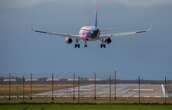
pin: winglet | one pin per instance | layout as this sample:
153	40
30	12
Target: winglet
142	31
150	28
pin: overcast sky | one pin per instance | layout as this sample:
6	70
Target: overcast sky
148	55
31	3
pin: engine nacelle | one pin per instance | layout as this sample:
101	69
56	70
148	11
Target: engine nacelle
108	40
68	40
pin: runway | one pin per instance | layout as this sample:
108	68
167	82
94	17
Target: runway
105	90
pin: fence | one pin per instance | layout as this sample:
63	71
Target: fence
44	89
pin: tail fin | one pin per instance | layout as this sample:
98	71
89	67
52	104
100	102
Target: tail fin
96	18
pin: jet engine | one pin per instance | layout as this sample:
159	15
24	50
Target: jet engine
108	40
68	40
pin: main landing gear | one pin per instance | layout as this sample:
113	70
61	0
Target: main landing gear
77	46
85	45
102	45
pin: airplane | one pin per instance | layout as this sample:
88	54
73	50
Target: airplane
91	33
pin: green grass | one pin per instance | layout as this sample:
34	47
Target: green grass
84	107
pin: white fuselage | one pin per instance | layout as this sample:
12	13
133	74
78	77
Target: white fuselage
88	33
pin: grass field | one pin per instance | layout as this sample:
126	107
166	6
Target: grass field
17	89
84	107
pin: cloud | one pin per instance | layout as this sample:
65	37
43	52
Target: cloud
143	3
129	3
21	3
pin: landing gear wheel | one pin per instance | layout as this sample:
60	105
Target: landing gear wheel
85	45
77	46
103	46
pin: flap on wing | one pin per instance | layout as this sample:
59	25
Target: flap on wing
57	34
125	33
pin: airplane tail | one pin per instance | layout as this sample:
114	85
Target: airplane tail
96	18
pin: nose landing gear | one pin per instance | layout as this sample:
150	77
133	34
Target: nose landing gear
85	45
77	45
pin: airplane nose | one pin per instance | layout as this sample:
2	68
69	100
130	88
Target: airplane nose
85	36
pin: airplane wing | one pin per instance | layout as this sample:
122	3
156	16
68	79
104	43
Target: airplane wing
125	33
57	34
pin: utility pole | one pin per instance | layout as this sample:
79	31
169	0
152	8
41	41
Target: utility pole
23	87
52	84
95	97
17	88
110	88
115	86
165	84
78	89
73	87
31	86
9	87
139	87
